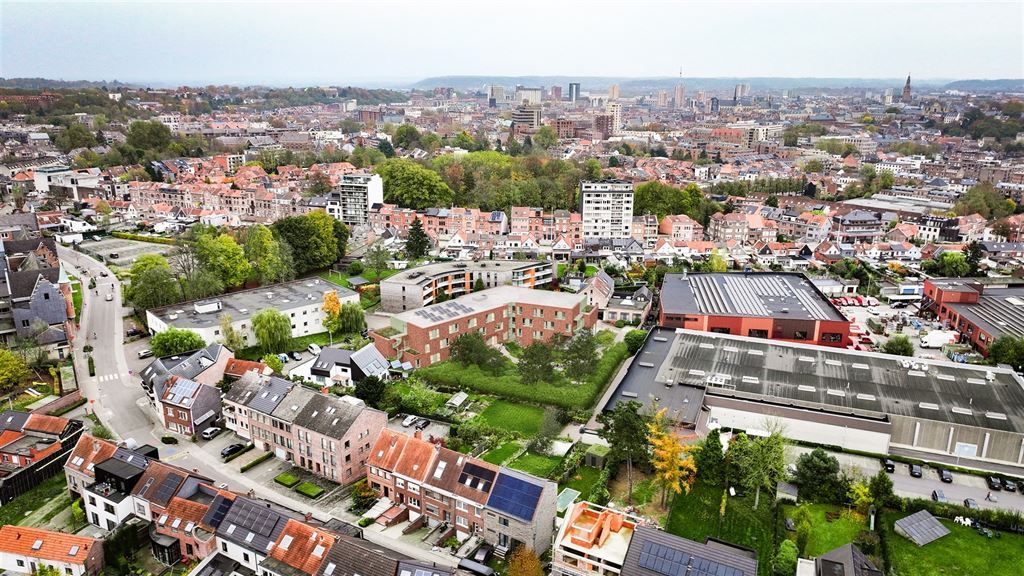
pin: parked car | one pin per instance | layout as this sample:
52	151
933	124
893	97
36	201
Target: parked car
409	420
422	423
1008	485
939	496
296	355
146	353
899	305
915	470
971	504
133	332
103	273
313	349
994	484
232	449
945	475
110	296
283	358
211	433
482	553
889	465
873	311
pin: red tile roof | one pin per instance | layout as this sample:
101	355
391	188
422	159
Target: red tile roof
56	546
46	423
92	451
302	547
237	367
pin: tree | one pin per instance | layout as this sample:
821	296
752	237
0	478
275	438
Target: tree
355	268
273	330
478	285
223	256
74	136
625	428
785	559
471	349
536	363
524	562
406	136
817	474
635	340
386	149
154	288
312	239
146	135
949	264
228	335
881	489
973	255
341	234
352	319
411	185
378	259
264	254
203	284
273	361
860	496
986	201
146	262
370	390
12	370
417	245
899	345
772	201
761	463
175	341
802	517
1007	349
710	457
712	263
578	358
319	185
545	138
674	468
814	167
332	312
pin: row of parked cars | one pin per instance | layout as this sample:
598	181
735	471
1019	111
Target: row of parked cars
995	483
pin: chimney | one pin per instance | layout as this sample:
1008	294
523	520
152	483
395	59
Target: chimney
308	516
418	434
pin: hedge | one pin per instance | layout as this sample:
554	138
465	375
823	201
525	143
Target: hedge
239	453
997	518
309	490
286	479
259	460
144	238
453	375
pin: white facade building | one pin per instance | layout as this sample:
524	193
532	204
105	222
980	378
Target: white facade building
606	207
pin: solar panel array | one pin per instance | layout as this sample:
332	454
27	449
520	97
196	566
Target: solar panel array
921	527
254	518
167	488
672	562
476	477
444	311
182	389
515	496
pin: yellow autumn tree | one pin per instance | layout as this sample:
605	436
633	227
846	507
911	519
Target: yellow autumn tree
524	562
674	468
332	311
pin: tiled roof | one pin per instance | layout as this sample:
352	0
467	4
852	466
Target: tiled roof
44	544
88	452
45	423
302	546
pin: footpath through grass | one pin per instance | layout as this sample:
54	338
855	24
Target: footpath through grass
514	417
825	535
16	511
696	516
963	552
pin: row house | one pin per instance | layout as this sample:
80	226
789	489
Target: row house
28	441
188	407
667	250
744	228
546	227
891	251
645	230
428	483
680	227
26	550
36	300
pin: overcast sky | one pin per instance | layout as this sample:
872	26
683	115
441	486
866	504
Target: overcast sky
301	42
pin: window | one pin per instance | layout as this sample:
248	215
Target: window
472	322
108	508
453	328
800	335
757	333
503	521
92	501
415	503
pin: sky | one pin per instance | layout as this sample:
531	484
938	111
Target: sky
301	42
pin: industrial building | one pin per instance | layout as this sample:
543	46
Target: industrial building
857	400
981	313
777	306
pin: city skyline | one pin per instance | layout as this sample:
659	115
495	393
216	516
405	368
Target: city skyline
278	44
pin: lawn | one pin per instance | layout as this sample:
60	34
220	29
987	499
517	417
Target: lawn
14	512
341	278
309	490
286	479
825	536
76	296
583	480
590	271
537	464
696	516
963	551
501	453
521	418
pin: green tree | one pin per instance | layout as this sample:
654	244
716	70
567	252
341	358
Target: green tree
1007	349
175	341
274	363
625	430
319	185
265	257
634	340
12	370
471	349
370	390
545	138
148	135
710	457
802	517
377	259
814	167
228	335
406	136
411	185
762	464
899	345
579	355
273	330
352	320
312	239
881	489
536	363
223	256
341	234
817	474
386	149
417	245
973	255
772	201
785	559
74	136
985	200
478	285
154	288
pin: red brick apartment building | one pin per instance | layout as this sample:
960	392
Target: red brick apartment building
777	306
424	336
980	312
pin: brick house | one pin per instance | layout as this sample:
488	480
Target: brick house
188	407
25	550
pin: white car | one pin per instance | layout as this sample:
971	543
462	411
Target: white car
409	420
313	349
873	311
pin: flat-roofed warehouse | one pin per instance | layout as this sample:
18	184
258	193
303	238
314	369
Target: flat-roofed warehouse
775	305
857	400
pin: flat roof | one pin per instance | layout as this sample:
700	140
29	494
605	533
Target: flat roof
423	274
831	380
487	300
998	311
754	294
244	304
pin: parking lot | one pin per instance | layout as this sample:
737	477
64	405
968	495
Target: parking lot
434	429
883	313
126	250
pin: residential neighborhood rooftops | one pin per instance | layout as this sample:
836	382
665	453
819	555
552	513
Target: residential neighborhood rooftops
423	274
655	552
761	294
45	545
487	300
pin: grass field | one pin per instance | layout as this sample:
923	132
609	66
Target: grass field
286	479
962	552
309	490
76	296
15	511
536	464
826	535
696	516
583	480
341	278
501	453
521	418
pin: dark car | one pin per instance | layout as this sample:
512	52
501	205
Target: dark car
296	355
915	470
482	553
422	423
103	273
133	332
994	484
889	465
945	475
938	496
971	503
1008	485
899	305
232	449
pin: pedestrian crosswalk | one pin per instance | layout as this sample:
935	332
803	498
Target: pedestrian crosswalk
106	378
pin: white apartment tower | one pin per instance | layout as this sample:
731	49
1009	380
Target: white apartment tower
606	207
614	109
352	198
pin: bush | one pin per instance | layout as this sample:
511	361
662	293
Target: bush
286	479
92	365
355	268
259	460
364	522
785	559
144	238
309	490
239	453
168	440
635	341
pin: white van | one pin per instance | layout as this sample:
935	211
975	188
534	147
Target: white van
313	349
